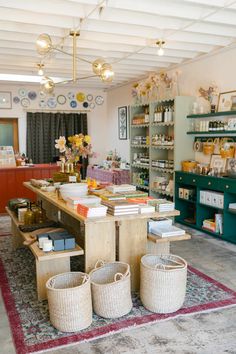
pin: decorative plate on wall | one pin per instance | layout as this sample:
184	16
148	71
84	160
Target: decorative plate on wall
25	102
71	95
32	95
61	99
92	105
42	94
42	104
80	96
99	100
89	97
52	102
73	104
85	104
16	99
22	92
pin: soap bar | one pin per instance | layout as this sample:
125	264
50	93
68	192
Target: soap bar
69	241
57	240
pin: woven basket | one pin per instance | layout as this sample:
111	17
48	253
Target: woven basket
163	282
111	289
70	301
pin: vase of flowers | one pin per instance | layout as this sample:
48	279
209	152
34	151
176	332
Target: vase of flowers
71	150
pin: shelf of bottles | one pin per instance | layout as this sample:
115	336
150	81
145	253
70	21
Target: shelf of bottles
141	179
206	125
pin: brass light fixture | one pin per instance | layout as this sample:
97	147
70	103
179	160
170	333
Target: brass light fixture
40	67
160	43
100	68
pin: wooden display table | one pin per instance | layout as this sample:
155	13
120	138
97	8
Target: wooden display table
48	264
98	235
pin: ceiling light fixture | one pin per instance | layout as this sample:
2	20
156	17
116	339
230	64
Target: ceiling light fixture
40	67
99	66
160	43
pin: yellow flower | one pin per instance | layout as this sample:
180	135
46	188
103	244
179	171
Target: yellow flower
60	144
87	139
70	139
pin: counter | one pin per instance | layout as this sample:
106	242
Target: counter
12	178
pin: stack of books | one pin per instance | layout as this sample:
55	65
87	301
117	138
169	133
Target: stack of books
72	202
121	188
121	207
164	228
91	210
162	205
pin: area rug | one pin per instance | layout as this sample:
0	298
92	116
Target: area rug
29	318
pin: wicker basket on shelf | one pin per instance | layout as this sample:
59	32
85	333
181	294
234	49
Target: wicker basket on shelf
163	282
111	289
70	301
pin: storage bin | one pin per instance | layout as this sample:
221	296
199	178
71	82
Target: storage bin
163	282
111	289
70	301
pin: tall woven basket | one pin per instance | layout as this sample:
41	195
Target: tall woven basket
70	301
163	282
111	289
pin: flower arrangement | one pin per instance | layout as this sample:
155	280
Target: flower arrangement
79	145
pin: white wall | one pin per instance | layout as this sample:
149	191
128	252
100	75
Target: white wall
219	68
117	98
96	117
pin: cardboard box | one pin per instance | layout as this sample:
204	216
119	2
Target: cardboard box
57	241
203	197
181	192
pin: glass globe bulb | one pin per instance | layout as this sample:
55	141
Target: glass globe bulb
47	84
107	73
97	66
43	44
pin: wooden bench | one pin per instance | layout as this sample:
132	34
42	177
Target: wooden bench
48	264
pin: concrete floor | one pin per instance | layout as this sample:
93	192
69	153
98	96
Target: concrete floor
206	333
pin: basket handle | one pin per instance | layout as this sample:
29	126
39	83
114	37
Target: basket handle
122	276
99	263
85	278
52	283
166	266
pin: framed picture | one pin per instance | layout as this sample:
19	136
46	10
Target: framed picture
5	100
230	164
122	123
217	162
227	101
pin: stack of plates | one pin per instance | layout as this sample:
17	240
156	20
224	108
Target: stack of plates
69	190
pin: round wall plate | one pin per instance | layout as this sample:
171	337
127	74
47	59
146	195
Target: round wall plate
85	104
99	100
52	102
16	99
42	103
61	99
80	96
89	97
42	94
92	105
32	95
22	92
25	102
71	95
73	104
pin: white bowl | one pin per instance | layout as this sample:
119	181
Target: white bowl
78	186
65	194
48	189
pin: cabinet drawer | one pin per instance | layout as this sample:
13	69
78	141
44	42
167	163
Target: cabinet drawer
208	182
227	186
186	179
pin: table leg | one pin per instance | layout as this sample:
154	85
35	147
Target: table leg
132	246
46	270
99	243
17	239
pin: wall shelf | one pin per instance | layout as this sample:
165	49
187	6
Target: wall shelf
212	115
225	132
163	170
163	124
140	166
164	147
140	146
140	125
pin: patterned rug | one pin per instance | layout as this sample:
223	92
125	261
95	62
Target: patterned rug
29	318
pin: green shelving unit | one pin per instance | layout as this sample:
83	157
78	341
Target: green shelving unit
199	211
225	132
212	115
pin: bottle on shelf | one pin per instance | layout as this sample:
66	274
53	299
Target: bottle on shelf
29	217
39	214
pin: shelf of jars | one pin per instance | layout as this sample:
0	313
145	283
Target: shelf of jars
163	170
164	147
209	126
163	124
140	125
142	146
140	166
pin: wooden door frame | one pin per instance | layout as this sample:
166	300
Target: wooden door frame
14	122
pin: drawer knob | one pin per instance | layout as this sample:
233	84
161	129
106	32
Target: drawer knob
194	180
227	186
180	178
209	183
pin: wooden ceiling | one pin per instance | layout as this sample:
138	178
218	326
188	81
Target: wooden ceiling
124	32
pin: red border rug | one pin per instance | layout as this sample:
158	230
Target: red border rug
203	294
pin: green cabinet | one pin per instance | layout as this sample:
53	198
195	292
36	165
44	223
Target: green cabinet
193	212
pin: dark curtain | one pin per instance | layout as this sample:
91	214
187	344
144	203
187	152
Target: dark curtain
43	128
